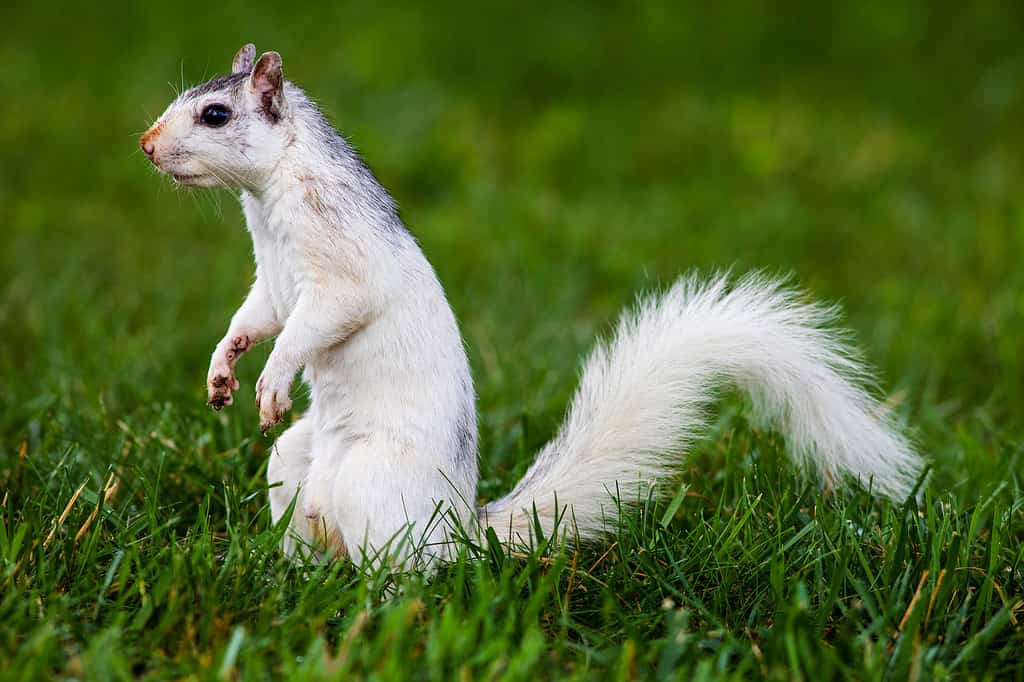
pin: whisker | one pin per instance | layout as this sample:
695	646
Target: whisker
237	177
149	116
202	209
162	184
214	197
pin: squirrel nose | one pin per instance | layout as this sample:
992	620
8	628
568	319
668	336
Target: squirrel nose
148	139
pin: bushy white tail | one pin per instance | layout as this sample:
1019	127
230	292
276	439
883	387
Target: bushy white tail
643	397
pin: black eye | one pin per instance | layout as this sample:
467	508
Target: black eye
215	115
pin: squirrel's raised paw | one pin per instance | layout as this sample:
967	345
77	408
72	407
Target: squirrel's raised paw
220	380
219	388
272	400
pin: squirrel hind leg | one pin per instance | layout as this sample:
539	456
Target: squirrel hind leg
287	470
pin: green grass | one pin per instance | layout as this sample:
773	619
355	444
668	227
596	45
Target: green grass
552	161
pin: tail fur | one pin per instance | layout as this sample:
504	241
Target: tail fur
643	398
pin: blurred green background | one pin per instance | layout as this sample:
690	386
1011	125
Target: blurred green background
553	159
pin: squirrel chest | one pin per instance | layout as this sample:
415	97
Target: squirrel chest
276	249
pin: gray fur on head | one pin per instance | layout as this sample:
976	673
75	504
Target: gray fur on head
273	132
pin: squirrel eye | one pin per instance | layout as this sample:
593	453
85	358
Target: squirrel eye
215	115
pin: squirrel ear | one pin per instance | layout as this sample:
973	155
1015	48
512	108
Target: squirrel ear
267	83
244	59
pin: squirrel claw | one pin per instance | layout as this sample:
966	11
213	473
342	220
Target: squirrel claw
266	424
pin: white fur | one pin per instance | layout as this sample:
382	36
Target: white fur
384	361
391	436
642	398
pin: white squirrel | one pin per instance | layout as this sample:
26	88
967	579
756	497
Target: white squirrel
390	436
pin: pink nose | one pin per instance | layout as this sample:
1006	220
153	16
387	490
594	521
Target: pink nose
147	146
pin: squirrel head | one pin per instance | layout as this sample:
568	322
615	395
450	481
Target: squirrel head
228	132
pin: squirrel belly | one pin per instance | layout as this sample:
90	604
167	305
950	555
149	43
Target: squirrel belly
384	464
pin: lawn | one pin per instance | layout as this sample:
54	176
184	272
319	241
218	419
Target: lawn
553	161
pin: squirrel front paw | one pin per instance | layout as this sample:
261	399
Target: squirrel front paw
272	391
220	380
